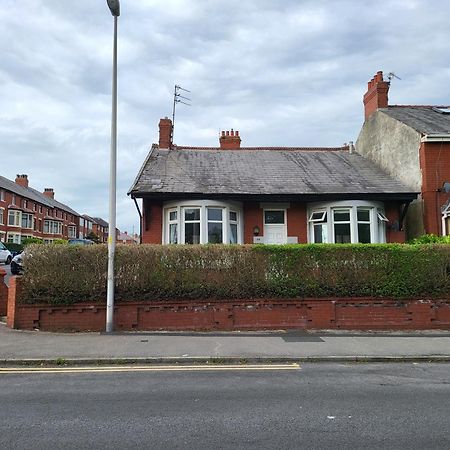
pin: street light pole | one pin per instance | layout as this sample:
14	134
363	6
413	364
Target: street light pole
114	7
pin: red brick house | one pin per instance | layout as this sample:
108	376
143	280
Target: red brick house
234	194
412	144
26	212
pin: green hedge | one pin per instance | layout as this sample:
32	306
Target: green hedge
68	274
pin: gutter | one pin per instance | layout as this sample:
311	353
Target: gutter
435	138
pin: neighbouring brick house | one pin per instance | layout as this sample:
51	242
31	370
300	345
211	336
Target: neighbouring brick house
234	194
412	144
125	238
26	212
101	229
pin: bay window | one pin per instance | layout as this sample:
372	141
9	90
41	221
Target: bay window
202	222
345	222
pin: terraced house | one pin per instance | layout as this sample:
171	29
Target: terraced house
26	212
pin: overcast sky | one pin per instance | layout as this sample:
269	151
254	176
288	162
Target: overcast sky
287	73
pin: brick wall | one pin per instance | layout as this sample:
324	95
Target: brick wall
152	222
297	222
435	164
256	314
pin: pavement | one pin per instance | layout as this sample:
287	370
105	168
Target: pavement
28	347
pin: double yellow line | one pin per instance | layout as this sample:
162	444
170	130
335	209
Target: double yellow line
167	368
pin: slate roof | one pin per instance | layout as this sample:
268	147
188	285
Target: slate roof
424	119
33	195
101	222
261	172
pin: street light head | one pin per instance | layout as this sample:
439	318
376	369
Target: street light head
114	6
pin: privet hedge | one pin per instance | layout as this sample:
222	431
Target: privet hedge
70	274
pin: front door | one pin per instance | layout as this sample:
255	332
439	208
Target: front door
275	229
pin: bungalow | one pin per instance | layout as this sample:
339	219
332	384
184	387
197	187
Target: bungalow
273	195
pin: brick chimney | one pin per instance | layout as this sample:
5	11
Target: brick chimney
165	133
376	95
22	180
49	192
230	140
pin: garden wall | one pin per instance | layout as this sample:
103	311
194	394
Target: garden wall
3	293
202	315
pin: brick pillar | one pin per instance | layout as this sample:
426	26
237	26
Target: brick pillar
13	294
3	293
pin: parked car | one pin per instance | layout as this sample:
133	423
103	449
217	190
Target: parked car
17	264
5	254
81	242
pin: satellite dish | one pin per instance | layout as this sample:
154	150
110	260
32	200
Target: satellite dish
446	187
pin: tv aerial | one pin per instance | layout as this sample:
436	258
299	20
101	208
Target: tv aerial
178	98
392	75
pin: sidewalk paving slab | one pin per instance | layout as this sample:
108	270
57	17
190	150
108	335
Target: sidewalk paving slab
188	347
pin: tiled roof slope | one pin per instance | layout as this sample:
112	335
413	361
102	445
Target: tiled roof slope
34	195
101	222
262	172
424	119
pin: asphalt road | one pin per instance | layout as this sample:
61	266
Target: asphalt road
367	406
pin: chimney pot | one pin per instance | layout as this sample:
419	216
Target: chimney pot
22	180
230	140
49	192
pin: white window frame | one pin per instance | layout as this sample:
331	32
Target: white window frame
313	223
29	221
376	210
72	231
181	206
16	238
17	218
2	195
2	216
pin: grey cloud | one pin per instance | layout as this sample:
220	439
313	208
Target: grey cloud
283	73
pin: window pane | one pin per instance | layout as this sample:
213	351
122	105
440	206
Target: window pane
214	214
192	214
233	216
173	233
364	233
318	216
363	215
320	233
215	233
341	215
342	233
273	217
233	233
192	233
173	215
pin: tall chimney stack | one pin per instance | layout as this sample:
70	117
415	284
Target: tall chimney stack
376	95
49	192
165	133
230	140
22	180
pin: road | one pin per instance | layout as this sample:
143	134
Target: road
367	406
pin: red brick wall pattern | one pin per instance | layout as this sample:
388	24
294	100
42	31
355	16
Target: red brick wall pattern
311	313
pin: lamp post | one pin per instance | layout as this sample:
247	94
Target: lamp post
114	7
